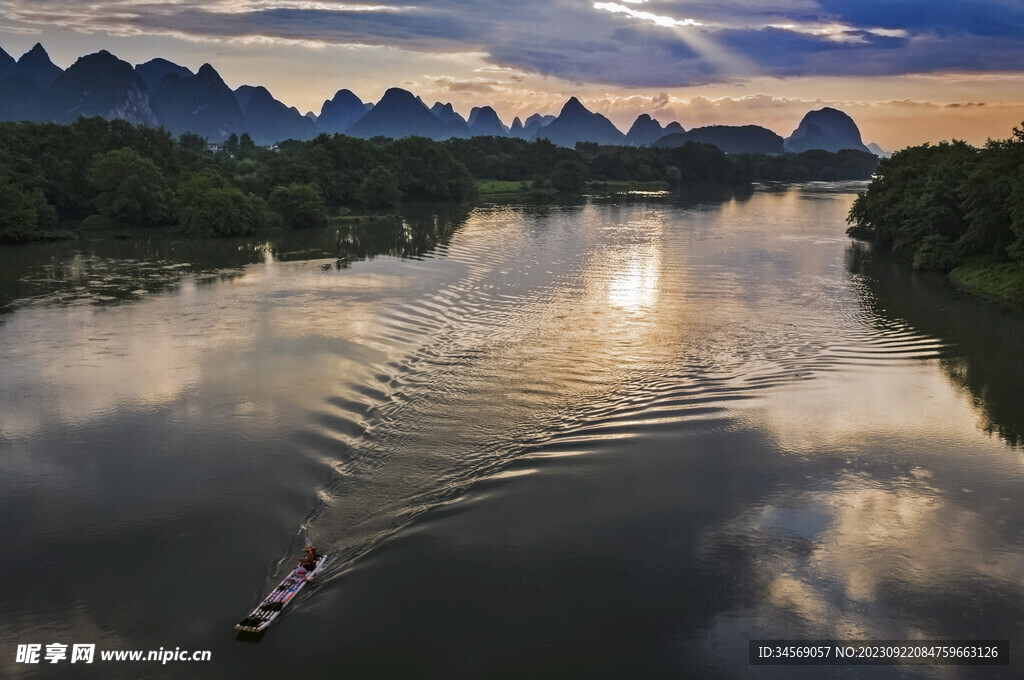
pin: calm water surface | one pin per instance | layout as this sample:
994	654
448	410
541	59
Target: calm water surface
616	439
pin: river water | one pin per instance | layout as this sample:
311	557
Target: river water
614	439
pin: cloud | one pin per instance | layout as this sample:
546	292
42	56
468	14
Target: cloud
632	43
465	85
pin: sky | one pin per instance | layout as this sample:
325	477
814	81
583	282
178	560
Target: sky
908	71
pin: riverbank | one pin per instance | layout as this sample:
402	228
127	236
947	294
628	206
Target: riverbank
954	209
496	190
1001	281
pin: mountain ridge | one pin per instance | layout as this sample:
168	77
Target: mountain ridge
161	92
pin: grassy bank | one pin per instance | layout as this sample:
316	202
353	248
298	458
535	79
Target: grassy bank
505	190
1002	281
496	189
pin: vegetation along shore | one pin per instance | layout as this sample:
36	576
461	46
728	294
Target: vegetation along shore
56	180
952	208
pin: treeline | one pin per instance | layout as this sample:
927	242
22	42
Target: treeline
105	174
946	205
111	173
693	163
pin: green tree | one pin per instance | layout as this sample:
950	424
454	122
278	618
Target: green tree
129	188
245	145
987	192
189	141
426	169
569	176
23	212
379	189
916	193
209	206
299	205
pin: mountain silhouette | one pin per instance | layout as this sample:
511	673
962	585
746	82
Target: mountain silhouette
516	129
202	104
399	113
646	131
37	67
484	122
878	151
160	92
97	84
729	138
268	120
828	129
21	98
339	113
446	113
534	123
7	65
672	128
454	124
577	124
154	71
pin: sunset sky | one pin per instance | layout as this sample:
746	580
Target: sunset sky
908	71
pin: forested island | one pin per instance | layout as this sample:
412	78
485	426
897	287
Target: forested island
98	174
952	208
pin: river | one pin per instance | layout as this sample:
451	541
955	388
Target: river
620	438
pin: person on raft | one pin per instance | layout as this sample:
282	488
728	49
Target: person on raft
308	561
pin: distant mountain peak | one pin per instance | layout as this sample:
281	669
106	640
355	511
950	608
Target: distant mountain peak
446	112
199	103
339	113
400	113
37	67
573	105
537	118
878	151
644	131
268	120
826	128
729	138
484	122
208	72
98	84
399	94
155	70
578	124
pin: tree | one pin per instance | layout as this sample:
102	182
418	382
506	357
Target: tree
569	176
23	212
299	205
426	169
245	145
189	141
916	193
379	189
209	206
987	192
130	188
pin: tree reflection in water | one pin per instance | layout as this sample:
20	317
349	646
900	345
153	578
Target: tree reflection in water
984	341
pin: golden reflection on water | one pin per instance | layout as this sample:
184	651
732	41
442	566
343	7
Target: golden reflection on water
636	283
844	412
